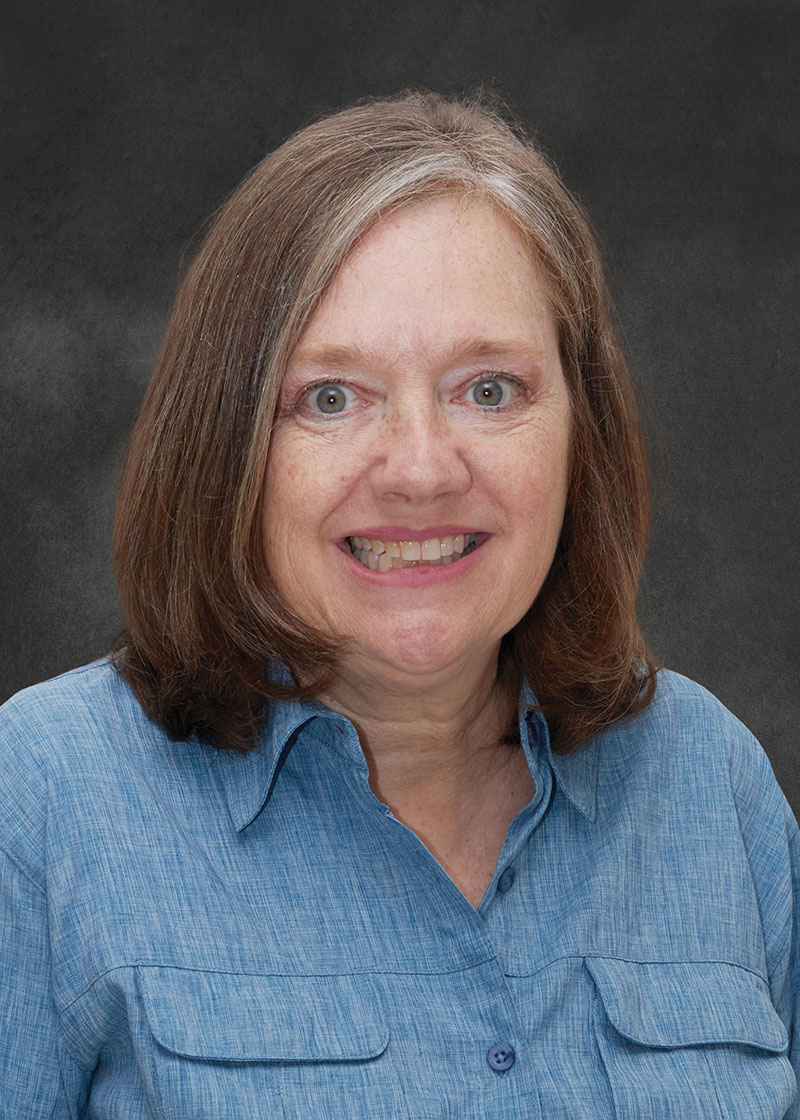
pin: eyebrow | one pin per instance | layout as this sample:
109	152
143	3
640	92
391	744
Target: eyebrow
343	357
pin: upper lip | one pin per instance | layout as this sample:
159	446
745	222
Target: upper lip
406	533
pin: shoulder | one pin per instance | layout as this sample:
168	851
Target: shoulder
693	725
77	708
702	725
688	746
59	739
689	711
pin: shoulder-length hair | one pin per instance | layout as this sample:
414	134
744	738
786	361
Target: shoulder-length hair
203	617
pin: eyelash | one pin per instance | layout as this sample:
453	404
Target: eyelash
302	399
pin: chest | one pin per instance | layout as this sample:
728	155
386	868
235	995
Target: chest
585	1037
323	962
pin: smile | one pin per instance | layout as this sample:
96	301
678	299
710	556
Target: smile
384	556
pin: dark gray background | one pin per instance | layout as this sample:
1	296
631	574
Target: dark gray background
127	122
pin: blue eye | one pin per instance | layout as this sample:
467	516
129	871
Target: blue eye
330	399
490	392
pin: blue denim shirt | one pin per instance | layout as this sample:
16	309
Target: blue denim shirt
198	935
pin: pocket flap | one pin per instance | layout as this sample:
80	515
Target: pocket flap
238	1017
687	1003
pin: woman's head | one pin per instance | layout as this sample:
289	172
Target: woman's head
203	611
418	465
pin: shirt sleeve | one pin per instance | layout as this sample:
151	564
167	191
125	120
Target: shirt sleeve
772	841
787	997
38	1076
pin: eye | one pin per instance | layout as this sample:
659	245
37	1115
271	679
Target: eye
329	399
492	392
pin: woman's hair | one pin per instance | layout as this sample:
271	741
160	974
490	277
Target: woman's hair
203	617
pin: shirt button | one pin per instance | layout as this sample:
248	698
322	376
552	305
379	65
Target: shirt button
505	880
501	1056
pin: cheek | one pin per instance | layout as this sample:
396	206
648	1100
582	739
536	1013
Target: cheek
533	473
304	484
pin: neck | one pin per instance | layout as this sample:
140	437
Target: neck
426	737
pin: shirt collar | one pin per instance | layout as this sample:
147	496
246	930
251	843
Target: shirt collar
248	779
576	773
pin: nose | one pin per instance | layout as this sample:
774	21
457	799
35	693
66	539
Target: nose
419	457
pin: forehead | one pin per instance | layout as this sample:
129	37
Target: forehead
430	274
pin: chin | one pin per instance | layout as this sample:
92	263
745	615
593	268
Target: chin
421	650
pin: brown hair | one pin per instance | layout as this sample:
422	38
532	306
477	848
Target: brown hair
203	619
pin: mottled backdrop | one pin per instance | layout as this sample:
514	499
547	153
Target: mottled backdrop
127	122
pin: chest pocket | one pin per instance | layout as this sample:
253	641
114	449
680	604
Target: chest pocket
228	1045
695	1040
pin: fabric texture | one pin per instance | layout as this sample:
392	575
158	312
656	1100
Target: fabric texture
195	935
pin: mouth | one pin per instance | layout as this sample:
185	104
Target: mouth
386	556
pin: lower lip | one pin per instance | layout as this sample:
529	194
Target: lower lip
422	575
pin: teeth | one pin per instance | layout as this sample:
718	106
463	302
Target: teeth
382	556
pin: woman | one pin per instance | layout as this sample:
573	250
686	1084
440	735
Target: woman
380	808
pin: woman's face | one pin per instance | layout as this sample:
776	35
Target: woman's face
417	475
